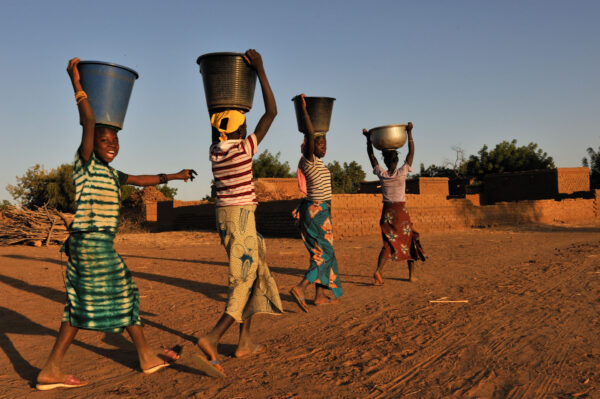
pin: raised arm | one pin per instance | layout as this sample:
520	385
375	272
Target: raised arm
309	135
255	60
86	115
411	144
370	149
153	180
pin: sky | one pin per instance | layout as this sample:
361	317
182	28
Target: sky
466	73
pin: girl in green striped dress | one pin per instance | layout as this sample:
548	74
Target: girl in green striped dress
101	294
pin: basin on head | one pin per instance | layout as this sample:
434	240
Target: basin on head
229	81
319	110
108	87
389	137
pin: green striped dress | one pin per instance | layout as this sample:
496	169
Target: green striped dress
101	294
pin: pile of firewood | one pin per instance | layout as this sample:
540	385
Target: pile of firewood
38	227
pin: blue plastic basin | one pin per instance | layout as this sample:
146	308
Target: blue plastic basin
108	87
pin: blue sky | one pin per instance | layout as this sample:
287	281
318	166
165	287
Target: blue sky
466	73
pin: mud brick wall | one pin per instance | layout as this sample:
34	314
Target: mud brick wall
519	186
277	189
536	184
571	180
359	214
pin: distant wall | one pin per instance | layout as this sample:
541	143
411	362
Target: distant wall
358	214
535	184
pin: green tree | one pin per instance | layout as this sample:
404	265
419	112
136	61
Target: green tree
269	165
38	187
594	164
5	204
346	178
507	157
169	192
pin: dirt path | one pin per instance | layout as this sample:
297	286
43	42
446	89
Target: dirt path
530	328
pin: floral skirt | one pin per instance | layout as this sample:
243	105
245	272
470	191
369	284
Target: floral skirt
314	218
400	240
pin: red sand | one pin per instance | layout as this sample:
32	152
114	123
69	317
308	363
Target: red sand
530	327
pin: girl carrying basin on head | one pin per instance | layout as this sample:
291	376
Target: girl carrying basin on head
400	241
252	289
101	294
314	216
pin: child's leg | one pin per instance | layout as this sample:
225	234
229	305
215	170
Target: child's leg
209	342
245	344
148	356
411	270
380	264
51	372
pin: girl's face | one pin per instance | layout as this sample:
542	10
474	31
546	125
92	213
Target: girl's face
106	144
320	146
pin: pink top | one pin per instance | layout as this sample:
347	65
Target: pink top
393	185
232	170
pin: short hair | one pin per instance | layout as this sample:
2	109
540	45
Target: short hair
390	156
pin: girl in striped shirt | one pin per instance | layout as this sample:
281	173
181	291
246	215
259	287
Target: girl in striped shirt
101	294
252	289
314	215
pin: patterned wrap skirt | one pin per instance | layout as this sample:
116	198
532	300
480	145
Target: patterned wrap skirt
101	294
252	288
400	240
314	218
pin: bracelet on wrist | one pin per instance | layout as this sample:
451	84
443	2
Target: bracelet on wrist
80	95
162	178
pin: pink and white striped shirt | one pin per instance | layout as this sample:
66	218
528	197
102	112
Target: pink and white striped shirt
232	170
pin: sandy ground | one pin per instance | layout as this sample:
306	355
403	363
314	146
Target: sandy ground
529	330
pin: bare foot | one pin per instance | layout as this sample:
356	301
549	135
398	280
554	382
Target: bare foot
170	354
151	362
411	272
208	347
254	349
377	279
47	376
326	301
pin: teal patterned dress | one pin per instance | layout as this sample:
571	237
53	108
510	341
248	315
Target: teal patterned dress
101	294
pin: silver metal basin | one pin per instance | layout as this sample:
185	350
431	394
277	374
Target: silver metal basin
388	137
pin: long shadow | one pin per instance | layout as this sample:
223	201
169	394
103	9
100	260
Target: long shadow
60	297
23	257
15	323
282	270
46	292
209	290
204	262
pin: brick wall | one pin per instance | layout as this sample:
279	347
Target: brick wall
571	180
358	214
276	189
535	184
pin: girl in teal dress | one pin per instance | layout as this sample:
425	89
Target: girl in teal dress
101	294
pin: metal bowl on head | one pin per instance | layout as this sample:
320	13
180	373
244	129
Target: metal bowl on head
389	137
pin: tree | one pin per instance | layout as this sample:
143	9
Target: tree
448	169
594	165
269	165
5	204
38	187
346	178
507	157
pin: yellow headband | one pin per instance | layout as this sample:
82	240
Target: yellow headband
227	122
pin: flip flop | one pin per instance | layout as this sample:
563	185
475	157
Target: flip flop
300	299
207	366
69	382
154	369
